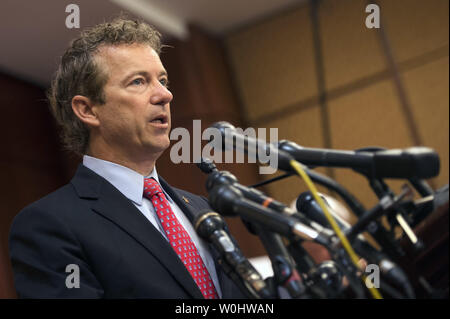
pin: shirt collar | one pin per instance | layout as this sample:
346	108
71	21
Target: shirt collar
130	183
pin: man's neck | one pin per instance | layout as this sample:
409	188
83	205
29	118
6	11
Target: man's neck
142	165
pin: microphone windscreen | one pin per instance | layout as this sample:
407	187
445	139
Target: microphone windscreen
206	165
414	162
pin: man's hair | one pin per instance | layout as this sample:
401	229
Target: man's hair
80	74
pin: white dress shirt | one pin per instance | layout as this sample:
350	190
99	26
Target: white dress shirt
131	185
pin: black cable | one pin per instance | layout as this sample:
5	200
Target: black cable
391	291
355	205
272	180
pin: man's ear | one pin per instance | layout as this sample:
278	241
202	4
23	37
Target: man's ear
83	108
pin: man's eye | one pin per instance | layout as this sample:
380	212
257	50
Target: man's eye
164	82
138	81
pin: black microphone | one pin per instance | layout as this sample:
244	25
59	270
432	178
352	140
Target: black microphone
413	162
309	206
211	227
230	201
206	165
217	177
306	204
233	139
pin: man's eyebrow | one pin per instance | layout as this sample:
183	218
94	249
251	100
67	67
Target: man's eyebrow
143	73
132	74
164	73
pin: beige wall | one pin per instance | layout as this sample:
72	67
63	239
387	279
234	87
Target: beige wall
274	69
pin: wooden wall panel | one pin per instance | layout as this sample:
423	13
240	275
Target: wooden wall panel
427	87
350	50
415	27
274	63
369	117
304	128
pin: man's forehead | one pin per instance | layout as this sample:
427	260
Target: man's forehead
125	55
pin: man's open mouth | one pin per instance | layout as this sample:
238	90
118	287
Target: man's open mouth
162	119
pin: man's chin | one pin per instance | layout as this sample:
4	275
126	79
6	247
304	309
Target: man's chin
159	147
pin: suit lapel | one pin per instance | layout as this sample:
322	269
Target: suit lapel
181	201
114	206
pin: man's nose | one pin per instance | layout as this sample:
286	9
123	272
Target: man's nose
161	95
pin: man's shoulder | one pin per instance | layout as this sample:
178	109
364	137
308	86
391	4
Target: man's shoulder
67	197
53	205
56	199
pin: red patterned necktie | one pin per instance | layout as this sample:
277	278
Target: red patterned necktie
179	239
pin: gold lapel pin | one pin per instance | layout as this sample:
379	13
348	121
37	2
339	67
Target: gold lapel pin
185	199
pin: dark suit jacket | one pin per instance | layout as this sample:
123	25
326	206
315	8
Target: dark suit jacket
120	254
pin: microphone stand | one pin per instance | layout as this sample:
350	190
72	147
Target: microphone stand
285	273
425	206
349	270
422	187
383	192
306	265
246	289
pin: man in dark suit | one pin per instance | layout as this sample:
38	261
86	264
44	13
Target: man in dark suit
117	230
